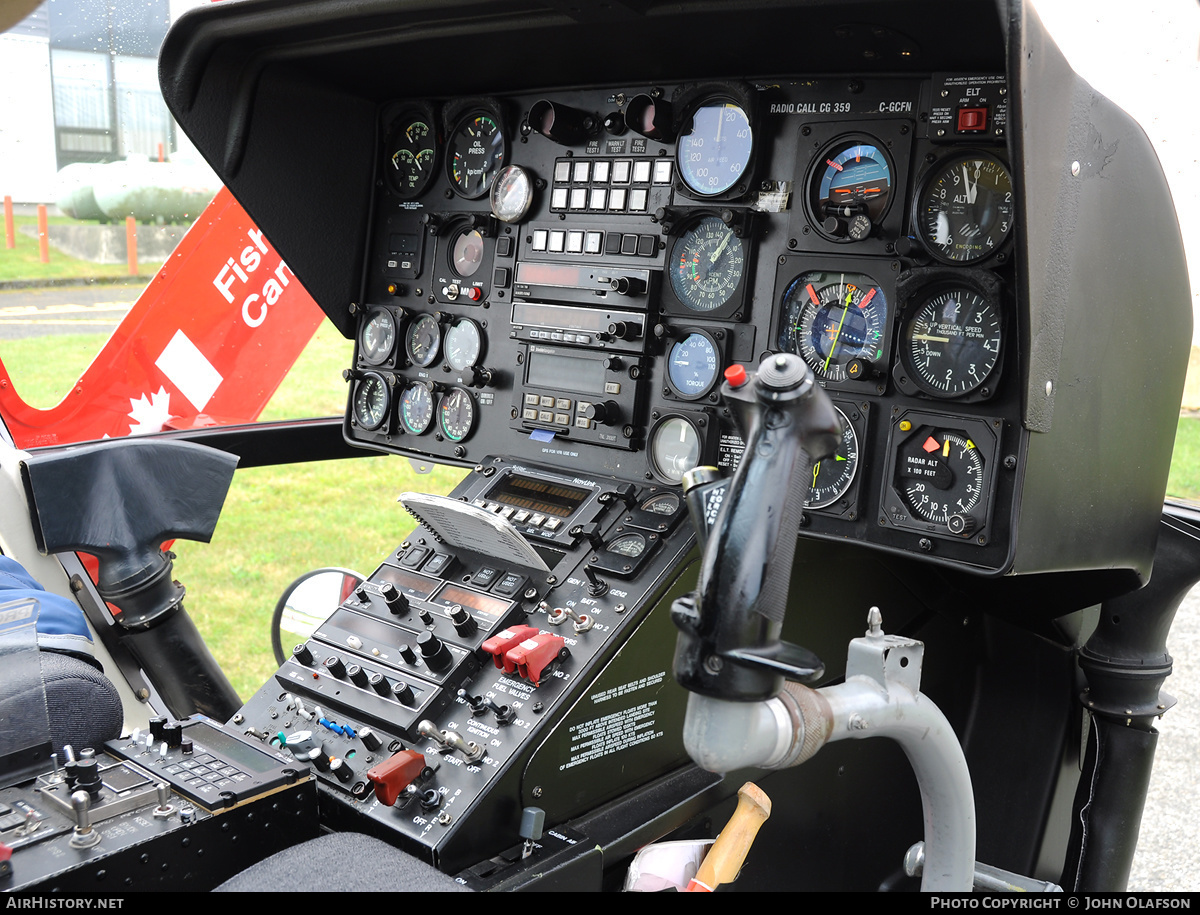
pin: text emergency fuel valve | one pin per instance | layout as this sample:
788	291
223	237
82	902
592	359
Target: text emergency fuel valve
729	645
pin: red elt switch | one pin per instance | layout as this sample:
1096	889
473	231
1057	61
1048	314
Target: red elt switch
972	120
499	644
534	655
736	375
394	775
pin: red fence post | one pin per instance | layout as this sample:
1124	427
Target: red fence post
160	153
43	234
131	244
10	235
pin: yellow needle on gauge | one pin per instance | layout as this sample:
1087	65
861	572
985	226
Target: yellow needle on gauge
838	333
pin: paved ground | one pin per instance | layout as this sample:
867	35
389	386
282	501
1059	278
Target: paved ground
1168	855
64	309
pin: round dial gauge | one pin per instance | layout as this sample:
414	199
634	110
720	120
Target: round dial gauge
851	189
832	476
939	477
371	400
692	365
707	264
952	342
464	343
411	156
423	341
965	209
466	253
628	545
674	448
664	503
512	194
416	408
715	149
456	414
377	337
475	153
835	322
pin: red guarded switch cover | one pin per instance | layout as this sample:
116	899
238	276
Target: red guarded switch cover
394	775
534	655
499	644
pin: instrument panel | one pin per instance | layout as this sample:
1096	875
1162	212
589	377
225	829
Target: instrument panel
563	278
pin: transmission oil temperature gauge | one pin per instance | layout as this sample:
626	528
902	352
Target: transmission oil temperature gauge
940	476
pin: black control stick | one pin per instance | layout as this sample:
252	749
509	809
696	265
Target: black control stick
120	501
729	645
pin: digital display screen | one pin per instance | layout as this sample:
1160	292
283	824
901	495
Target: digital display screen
554	275
206	737
542	496
565	373
562	318
473	600
414	585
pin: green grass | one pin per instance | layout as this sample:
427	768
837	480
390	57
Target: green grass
278	522
1184	481
24	261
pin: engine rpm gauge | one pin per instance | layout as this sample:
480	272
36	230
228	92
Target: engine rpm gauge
965	210
377	338
692	365
371	401
850	189
475	152
423	340
416	408
456	414
411	157
707	264
836	323
715	149
951	343
831	477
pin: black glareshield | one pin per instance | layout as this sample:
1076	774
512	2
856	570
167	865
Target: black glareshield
729	645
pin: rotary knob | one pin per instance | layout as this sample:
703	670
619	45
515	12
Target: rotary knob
335	666
434	652
303	654
397	603
357	675
606	413
379	683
